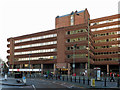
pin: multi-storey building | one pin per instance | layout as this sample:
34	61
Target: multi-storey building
106	37
76	43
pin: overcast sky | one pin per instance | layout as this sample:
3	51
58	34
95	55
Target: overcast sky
20	17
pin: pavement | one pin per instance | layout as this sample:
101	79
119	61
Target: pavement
10	82
30	84
42	82
77	84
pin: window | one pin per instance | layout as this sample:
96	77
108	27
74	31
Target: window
68	32
36	38
76	31
68	40
37	44
77	56
68	56
72	20
76	39
68	48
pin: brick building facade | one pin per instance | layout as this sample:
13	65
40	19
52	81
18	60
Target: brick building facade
69	43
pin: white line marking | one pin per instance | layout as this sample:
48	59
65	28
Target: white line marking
34	87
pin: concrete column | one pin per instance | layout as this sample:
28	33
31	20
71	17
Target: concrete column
31	66
21	66
85	65
11	59
41	69
54	69
107	68
68	69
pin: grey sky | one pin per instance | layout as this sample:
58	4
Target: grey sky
20	17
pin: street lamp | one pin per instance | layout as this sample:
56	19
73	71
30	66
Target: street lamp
74	47
29	63
119	70
88	50
88	45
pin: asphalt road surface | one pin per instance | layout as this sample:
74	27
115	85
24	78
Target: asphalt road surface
33	85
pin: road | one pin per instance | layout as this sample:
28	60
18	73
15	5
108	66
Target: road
33	84
40	83
53	83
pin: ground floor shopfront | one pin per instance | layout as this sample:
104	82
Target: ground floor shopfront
80	69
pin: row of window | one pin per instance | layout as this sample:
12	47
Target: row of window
37	44
107	21
36	38
36	51
77	56
76	31
107	40
77	39
77	47
38	58
103	28
107	59
106	53
105	34
110	46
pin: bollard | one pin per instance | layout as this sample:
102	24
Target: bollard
79	79
88	81
83	80
63	78
105	82
75	79
118	83
67	78
71	79
6	77
56	77
24	80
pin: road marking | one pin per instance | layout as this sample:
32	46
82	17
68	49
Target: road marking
53	82
63	84
34	87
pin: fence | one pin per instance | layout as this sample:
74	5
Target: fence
81	80
104	82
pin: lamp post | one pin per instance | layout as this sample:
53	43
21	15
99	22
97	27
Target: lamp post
119	70
88	45
74	47
29	64
73	60
88	51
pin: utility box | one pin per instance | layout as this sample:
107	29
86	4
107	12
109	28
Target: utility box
93	82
